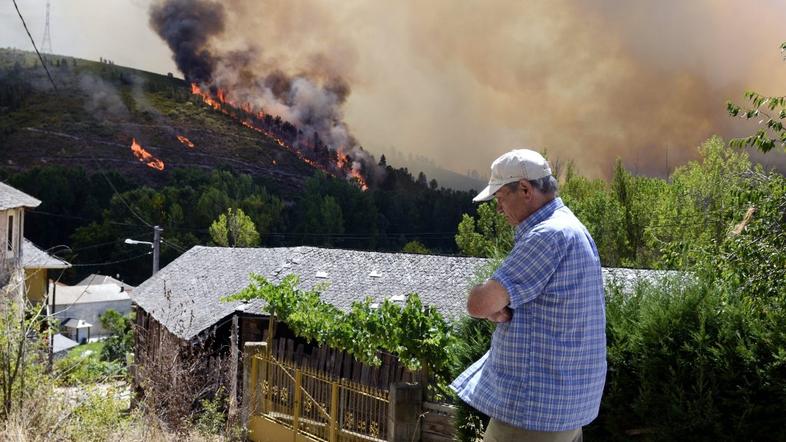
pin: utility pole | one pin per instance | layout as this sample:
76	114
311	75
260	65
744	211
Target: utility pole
156	247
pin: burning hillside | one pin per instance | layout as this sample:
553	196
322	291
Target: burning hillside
302	112
313	152
146	157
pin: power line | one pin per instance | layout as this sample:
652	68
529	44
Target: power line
98	264
81	218
34	46
174	246
119	196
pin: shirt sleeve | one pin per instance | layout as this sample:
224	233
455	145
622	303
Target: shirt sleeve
530	265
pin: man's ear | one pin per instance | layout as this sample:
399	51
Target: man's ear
525	187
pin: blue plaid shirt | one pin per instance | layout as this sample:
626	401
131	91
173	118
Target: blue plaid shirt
546	367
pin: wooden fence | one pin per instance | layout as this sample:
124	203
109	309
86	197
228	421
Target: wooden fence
288	402
341	365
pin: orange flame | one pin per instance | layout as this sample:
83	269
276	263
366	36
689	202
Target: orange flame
342	159
361	180
145	156
217	105
185	141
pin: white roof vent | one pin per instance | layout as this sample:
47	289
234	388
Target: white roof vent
398	298
322	275
374	274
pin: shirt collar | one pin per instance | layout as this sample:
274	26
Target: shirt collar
539	216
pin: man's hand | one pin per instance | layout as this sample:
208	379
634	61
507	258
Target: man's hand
504	315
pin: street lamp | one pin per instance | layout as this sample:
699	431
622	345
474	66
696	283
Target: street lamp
155	245
133	241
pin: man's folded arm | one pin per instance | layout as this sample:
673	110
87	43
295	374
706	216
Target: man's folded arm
487	299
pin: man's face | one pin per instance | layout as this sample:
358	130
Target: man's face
514	202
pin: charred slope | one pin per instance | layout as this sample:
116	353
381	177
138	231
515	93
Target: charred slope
99	108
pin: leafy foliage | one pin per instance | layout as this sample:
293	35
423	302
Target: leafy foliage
771	112
486	234
121	340
417	334
80	209
474	339
689	361
86	365
415	247
20	349
694	212
234	229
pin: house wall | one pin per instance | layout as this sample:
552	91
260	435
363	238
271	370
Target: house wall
36	286
90	311
15	219
10	254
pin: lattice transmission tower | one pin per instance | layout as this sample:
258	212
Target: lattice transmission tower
46	43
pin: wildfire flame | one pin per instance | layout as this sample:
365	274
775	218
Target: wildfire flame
221	99
145	156
359	177
342	159
185	141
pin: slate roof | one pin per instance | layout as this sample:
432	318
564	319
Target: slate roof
198	278
11	198
196	281
35	258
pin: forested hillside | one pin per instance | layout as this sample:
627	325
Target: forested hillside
72	149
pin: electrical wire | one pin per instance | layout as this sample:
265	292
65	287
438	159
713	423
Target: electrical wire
81	218
174	246
34	46
51	80
98	264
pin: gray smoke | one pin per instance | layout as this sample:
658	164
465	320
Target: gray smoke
187	26
310	98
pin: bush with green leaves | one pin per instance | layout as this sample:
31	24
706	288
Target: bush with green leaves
211	418
121	340
84	365
690	362
417	334
474	340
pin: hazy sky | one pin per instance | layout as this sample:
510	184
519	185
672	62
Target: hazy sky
462	81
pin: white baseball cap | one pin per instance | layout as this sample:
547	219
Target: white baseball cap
518	164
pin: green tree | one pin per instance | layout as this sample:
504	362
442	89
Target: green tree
601	212
415	247
693	214
771	113
234	229
485	236
332	218
121	339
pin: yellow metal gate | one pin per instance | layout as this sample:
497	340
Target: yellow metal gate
299	404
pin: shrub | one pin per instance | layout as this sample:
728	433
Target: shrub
84	367
690	361
121	340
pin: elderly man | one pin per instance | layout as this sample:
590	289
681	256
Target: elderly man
543	377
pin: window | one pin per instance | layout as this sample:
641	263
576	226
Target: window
10	232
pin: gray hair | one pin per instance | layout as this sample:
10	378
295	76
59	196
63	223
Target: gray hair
546	185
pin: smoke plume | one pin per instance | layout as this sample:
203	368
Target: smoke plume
463	81
187	27
309	96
